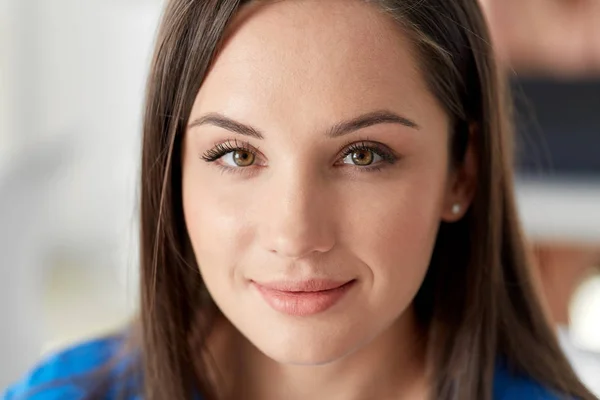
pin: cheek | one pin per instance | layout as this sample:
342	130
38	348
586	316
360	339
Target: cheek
394	233
215	221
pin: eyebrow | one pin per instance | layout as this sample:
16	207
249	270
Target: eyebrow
229	124
337	130
370	119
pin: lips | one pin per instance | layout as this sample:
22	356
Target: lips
303	298
309	285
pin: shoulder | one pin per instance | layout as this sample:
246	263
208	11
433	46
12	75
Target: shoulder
56	376
511	386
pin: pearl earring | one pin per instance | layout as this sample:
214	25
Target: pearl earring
456	209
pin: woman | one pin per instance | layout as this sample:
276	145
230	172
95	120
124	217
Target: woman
327	213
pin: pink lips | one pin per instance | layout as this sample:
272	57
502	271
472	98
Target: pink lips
303	298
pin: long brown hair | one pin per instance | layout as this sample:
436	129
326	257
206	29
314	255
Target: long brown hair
477	302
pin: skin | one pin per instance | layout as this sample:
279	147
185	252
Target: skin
303	210
558	37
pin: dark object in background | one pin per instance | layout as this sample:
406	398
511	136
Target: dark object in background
558	128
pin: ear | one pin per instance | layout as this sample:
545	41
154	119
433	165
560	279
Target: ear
462	182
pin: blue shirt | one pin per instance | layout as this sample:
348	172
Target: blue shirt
86	357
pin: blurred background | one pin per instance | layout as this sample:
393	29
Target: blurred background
72	77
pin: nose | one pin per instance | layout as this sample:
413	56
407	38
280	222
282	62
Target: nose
299	219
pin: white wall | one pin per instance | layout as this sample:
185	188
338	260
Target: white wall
73	75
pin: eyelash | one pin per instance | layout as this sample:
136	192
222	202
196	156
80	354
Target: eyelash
224	148
227	147
386	154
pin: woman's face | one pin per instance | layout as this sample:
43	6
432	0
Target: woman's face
315	176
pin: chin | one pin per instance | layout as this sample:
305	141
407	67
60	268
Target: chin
310	347
306	356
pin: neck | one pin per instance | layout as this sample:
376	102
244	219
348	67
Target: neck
392	365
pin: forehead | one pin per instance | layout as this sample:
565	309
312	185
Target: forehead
327	59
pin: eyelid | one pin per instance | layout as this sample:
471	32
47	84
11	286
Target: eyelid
387	154
225	147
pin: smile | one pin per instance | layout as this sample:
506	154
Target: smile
303	298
